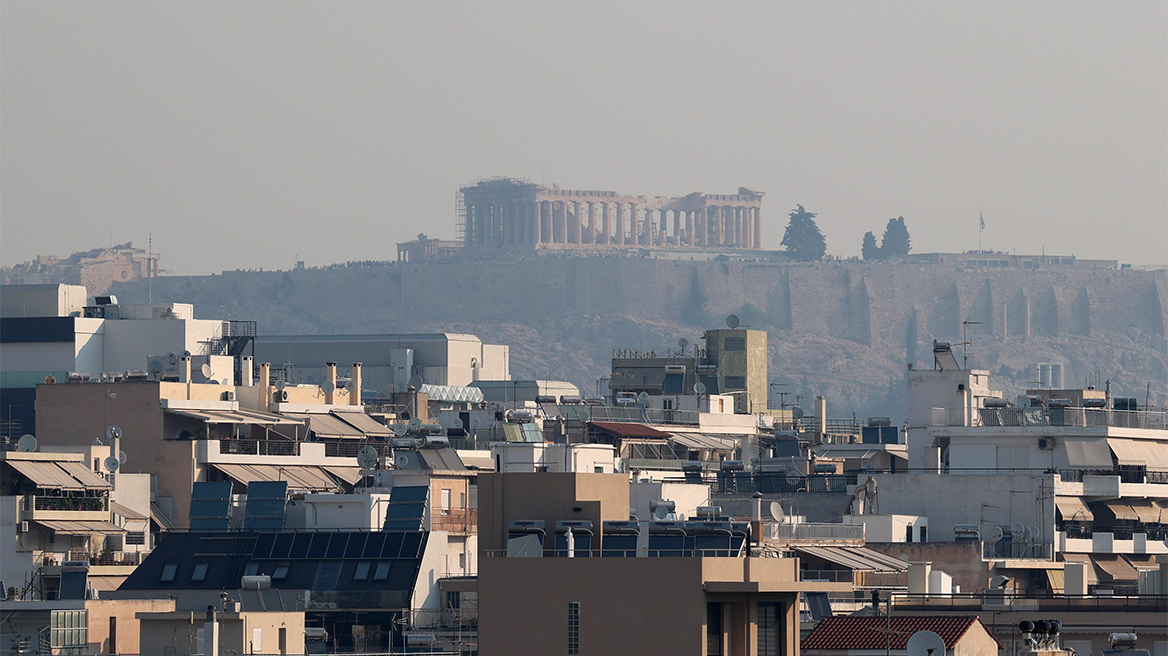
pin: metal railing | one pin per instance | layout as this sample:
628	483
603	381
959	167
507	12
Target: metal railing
260	447
77	504
1018	549
1071	417
1089	603
465	617
463	520
815	531
116	558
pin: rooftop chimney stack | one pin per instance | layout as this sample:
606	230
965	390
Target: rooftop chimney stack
184	369
820	418
330	376
265	386
245	371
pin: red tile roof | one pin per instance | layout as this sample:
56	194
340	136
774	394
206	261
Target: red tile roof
868	632
628	430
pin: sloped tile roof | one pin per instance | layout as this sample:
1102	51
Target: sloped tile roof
844	633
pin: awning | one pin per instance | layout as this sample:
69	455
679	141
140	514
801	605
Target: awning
1055	580
1084	452
299	477
350	475
1116	568
703	441
1073	509
856	558
364	423
48	475
78	527
160	517
482	462
232	417
1122	511
1149	514
1088	568
84	475
125	512
1139	452
327	426
1142	562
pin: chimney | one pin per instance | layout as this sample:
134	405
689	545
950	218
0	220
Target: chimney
265	379
820	418
756	519
184	369
355	374
330	375
245	371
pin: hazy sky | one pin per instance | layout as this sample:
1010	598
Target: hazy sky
243	135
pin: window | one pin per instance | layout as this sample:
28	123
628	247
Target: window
382	571
168	572
446	501
281	572
734	344
598	469
136	537
68	629
908	533
714	629
251	569
462	560
573	627
200	572
453	599
362	573
327	573
770	628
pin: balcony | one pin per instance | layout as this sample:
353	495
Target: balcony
454	520
80	508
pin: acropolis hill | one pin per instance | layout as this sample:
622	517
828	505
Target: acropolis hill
844	329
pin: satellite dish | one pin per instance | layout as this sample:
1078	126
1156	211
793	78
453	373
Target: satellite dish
401	459
443	422
122	457
998	534
925	643
793	478
415	422
186	354
643	398
113	433
797	413
206	369
777	513
699	388
367	457
732	321
281	384
660	513
476	422
399	429
416	382
1022	401
111	464
27	443
50	379
456	424
328	387
172	358
682	343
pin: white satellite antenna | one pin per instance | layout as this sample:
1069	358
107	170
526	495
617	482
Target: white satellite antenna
660	513
456	423
367	457
206	369
328	387
925	643
415	422
186	354
443	422
777	513
1022	401
122	457
732	321
642	398
416	382
793	478
172	358
998	534
111	464
398	429
682	344
27	443
113	433
476	422
281	384
699	388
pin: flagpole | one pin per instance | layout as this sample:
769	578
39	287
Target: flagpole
980	230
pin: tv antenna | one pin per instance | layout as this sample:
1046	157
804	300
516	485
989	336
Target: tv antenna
965	343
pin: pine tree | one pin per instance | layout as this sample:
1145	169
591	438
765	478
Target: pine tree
869	250
896	242
802	238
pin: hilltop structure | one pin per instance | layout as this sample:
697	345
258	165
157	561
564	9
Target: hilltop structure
97	269
517	214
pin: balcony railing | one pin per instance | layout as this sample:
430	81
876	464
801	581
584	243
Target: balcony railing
815	531
114	558
76	504
260	447
455	520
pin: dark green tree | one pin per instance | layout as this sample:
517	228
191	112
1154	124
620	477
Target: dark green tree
896	242
869	250
802	238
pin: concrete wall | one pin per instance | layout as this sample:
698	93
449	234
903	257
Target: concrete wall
42	300
168	632
548	497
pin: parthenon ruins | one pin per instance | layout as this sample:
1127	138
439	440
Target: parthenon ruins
513	213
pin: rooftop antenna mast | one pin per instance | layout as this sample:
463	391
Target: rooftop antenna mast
150	267
965	343
980	229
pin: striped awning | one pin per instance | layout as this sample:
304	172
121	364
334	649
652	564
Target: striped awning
59	475
298	477
78	527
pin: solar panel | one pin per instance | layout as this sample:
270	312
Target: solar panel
337	544
666	546
373	545
619	546
265	510
320	543
282	546
393	545
73	584
356	546
263	546
409	493
407	508
712	545
300	545
211	506
411	545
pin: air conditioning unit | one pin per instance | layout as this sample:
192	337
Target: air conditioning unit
282	396
1046	443
229	395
